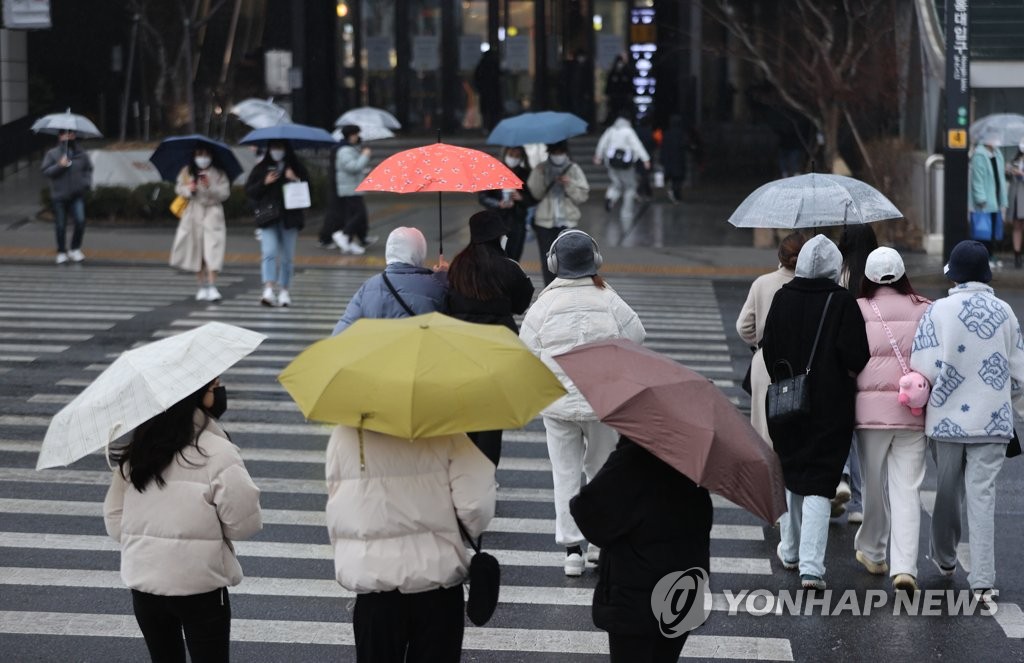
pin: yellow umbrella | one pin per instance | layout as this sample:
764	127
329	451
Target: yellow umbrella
424	376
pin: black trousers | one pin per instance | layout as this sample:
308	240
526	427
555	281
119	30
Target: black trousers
645	649
545	238
333	220
355	217
391	627
489	442
204	618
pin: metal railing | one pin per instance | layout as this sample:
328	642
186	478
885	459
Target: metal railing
934	212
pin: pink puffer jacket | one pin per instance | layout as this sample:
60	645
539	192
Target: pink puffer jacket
878	383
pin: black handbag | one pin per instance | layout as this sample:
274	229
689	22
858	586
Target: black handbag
789	398
484	582
266	213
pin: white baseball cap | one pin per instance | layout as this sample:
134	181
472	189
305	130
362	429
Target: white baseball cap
884	265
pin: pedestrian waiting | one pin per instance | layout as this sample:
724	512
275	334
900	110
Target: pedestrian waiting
969	347
70	173
890	434
578	307
815	328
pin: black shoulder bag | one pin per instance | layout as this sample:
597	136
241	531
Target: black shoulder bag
394	293
790	398
484	582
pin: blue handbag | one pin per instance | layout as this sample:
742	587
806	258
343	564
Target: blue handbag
981	227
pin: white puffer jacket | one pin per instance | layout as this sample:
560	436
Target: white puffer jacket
569	313
392	524
176	540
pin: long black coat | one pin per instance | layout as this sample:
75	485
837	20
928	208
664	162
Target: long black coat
649	521
813	450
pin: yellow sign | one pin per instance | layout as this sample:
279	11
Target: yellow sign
957	139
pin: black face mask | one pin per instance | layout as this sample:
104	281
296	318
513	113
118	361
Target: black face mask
220	402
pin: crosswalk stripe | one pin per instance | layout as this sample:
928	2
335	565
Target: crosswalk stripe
335	633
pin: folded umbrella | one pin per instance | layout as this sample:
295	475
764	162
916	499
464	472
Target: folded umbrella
66	121
545	127
141	384
680	417
300	136
812	201
174	153
423	376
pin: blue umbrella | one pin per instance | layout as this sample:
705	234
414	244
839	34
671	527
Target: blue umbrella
299	135
174	153
545	127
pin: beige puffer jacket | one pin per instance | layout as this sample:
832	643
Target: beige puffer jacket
569	313
393	523
176	540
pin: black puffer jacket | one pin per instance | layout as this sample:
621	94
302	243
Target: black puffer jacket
259	193
516	293
649	521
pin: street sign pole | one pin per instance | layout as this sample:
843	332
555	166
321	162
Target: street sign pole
955	139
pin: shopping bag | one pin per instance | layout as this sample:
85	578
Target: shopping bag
296	195
981	227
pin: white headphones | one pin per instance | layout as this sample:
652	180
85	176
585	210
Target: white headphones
553	259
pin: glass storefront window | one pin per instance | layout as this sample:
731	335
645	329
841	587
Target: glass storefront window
424	28
378	57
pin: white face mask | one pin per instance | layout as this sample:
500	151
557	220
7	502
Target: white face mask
512	162
203	162
277	155
559	159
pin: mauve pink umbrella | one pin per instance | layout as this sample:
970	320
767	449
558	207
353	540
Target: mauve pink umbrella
680	417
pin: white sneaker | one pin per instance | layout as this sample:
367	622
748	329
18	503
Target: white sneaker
76	255
574	565
212	294
258	234
593	553
342	241
370	240
202	295
356	249
268	297
283	298
61	258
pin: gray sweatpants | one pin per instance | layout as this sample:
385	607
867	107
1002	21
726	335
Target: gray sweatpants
967	471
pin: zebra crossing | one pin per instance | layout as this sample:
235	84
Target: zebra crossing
60	590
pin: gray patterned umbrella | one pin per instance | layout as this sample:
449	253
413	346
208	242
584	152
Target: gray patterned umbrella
813	201
66	121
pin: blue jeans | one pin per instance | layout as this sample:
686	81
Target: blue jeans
60	218
804	529
278	246
852	471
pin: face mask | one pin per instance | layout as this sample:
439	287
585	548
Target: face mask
277	155
512	162
203	163
220	402
559	159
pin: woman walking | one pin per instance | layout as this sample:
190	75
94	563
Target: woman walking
280	227
180	496
812	448
750	325
578	307
394	511
513	205
199	241
559	186
665	528
891	437
487	287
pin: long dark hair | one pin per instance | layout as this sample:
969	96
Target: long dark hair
902	285
476	271
156	442
856	242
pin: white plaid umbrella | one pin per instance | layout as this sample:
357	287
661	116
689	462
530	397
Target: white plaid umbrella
812	201
141	384
368	116
261	113
66	121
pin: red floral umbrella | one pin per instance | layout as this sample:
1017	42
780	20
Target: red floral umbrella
440	167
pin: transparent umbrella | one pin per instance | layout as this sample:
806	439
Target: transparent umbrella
66	121
1009	126
812	201
368	116
367	133
260	113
